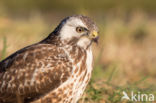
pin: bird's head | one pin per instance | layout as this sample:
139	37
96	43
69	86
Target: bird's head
77	29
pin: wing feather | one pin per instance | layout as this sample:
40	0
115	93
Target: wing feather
33	71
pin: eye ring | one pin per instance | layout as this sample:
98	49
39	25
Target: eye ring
79	29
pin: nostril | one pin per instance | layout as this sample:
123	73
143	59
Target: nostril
94	35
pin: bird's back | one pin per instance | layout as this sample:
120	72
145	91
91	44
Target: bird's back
32	71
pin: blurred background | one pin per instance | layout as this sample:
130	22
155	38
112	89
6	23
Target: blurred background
124	59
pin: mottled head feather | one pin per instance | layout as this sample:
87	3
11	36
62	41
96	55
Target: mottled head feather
66	33
86	20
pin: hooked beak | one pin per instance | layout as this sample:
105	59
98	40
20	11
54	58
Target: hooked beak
94	36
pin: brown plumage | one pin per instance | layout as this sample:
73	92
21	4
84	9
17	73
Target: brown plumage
55	70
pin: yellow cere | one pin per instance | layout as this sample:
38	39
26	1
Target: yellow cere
94	34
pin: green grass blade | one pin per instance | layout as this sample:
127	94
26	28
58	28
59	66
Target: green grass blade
3	53
111	75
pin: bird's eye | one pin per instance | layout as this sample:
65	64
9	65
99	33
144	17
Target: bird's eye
79	29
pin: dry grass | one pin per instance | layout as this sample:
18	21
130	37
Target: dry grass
125	58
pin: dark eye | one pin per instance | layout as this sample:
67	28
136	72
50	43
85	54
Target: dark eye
79	29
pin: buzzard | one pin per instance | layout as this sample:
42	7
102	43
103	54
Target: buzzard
54	70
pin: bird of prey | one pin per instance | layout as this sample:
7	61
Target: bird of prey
55	70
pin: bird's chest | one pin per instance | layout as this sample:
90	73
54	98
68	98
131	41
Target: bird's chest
71	90
81	75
